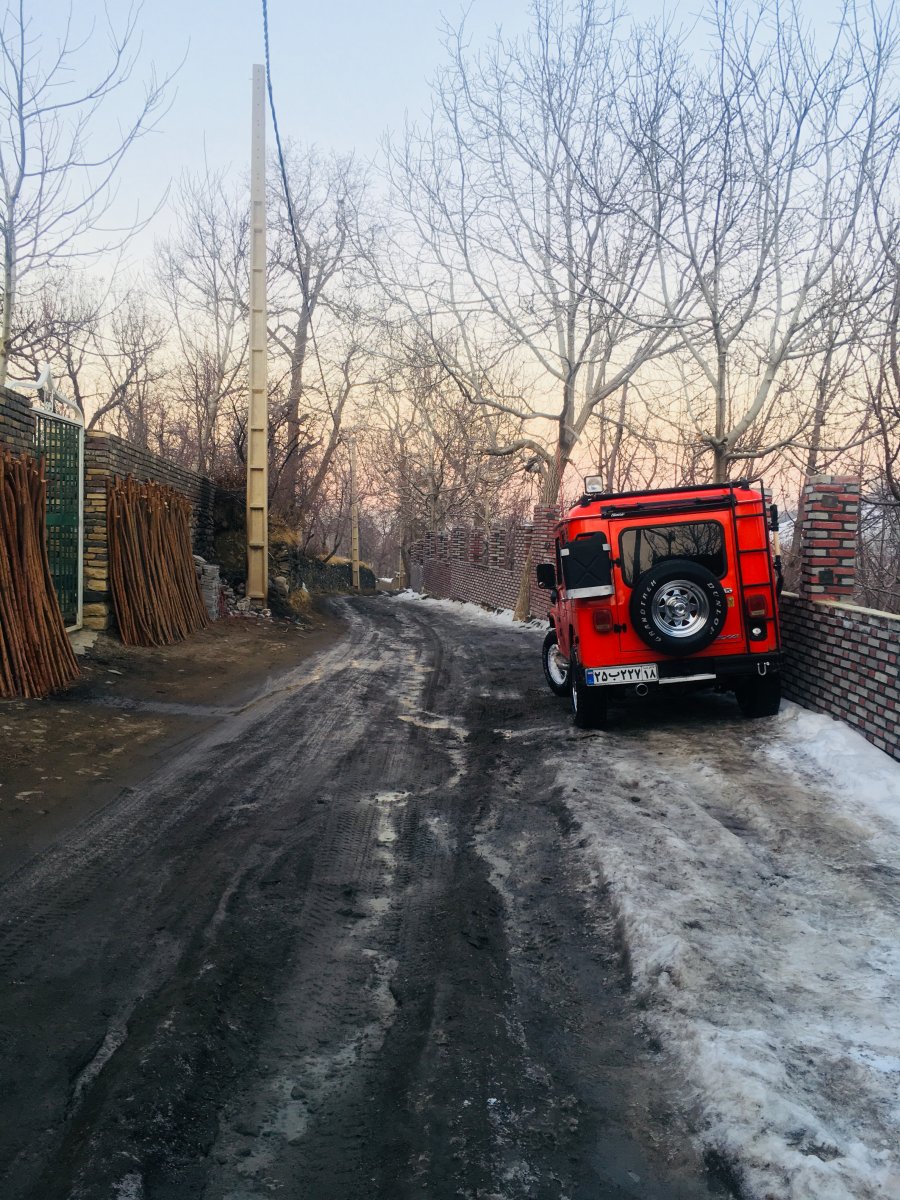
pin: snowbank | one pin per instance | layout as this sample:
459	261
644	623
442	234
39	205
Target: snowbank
473	612
755	868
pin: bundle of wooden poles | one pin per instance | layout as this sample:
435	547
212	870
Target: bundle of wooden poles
36	657
155	589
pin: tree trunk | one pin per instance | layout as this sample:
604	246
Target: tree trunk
290	486
612	465
8	299
405	567
549	497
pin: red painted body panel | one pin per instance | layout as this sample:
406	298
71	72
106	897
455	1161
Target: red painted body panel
741	512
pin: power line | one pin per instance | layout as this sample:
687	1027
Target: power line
289	203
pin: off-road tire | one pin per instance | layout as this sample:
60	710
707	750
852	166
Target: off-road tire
696	610
759	695
588	703
558	680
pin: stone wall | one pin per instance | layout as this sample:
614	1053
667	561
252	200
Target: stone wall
105	456
16	422
315	575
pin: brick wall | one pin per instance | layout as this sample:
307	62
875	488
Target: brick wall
844	660
827	524
105	456
16	422
485	566
839	658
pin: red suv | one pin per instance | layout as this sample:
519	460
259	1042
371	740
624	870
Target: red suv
657	589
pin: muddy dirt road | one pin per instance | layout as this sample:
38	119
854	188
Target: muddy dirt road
339	947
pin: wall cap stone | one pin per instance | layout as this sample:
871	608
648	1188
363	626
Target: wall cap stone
843	604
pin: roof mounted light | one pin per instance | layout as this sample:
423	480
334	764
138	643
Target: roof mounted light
593	484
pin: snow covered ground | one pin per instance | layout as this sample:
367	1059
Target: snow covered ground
759	901
473	612
755	867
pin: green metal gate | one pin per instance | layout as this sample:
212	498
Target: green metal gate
60	442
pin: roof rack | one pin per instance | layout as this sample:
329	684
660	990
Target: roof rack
728	485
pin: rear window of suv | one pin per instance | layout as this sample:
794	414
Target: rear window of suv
702	542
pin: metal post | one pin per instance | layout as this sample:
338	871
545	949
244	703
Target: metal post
354	513
258	411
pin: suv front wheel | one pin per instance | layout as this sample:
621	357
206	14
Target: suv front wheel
556	666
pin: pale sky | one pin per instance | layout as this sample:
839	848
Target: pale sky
343	70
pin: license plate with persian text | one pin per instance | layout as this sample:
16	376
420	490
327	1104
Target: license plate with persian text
639	673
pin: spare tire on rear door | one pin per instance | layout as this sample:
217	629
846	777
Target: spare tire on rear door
678	607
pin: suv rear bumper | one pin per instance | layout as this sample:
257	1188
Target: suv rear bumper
734	666
706	672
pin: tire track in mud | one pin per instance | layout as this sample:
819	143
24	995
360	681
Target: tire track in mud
463	1099
307	1125
139	854
106	843
335	951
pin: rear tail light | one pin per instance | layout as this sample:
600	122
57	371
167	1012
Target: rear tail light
603	620
757	616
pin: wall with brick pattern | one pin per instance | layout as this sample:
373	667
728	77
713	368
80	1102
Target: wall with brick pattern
485	566
105	456
844	660
839	658
16	422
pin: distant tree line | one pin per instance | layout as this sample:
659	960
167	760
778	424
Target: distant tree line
651	252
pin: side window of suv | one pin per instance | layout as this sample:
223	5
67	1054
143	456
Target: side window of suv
702	542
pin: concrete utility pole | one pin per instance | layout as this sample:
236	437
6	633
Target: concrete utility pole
258	412
354	513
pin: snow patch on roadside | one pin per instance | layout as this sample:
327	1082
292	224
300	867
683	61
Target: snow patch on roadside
473	612
756	873
823	749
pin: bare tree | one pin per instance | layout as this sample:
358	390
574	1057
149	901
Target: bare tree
129	369
315	317
883	378
56	178
515	244
104	345
768	152
425	447
306	438
201	274
58	324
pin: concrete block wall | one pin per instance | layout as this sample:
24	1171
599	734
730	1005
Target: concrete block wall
16	422
106	456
